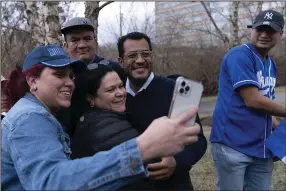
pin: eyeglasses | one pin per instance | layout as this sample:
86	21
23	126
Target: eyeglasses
144	54
95	65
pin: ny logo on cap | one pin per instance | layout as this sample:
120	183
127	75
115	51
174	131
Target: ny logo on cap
268	15
56	51
84	22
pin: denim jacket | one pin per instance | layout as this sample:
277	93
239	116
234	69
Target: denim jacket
36	155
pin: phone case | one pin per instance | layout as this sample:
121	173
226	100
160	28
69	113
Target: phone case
187	93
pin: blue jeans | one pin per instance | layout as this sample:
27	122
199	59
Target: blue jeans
237	171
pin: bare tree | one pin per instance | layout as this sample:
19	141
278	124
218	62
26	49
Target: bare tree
67	9
222	36
92	9
12	16
51	11
120	19
15	38
24	27
234	20
33	20
126	20
226	21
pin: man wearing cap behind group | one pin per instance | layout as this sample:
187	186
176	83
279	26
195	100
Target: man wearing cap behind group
242	119
80	43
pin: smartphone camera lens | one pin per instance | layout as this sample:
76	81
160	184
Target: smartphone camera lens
182	90
187	88
183	83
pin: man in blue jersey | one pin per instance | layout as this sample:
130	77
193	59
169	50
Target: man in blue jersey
242	116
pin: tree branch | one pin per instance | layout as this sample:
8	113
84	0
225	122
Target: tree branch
104	4
15	28
223	37
211	33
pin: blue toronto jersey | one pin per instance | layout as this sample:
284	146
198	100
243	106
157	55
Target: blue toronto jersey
234	124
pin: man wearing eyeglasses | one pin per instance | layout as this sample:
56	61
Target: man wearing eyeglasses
149	97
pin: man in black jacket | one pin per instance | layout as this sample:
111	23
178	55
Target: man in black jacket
149	97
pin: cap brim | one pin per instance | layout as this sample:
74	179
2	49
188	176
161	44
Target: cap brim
274	26
77	65
68	29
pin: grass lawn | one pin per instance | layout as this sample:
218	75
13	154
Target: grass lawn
204	178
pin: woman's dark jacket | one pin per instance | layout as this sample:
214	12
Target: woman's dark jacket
100	130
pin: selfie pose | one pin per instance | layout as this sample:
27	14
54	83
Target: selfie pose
35	148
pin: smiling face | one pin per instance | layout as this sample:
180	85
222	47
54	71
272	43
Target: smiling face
137	59
81	44
264	38
54	87
111	94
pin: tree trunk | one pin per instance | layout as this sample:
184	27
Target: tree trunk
52	22
235	23
92	9
120	20
259	6
91	12
31	13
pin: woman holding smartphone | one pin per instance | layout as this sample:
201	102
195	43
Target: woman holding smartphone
35	149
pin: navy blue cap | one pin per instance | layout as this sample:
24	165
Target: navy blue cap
270	18
52	56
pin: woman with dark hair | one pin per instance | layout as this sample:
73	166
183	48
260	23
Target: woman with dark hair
100	112
35	149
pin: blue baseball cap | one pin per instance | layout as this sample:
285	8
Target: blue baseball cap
52	56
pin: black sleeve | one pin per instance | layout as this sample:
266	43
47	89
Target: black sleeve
193	152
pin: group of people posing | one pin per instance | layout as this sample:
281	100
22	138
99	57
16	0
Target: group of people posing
75	121
79	121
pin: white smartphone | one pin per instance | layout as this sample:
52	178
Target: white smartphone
187	93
